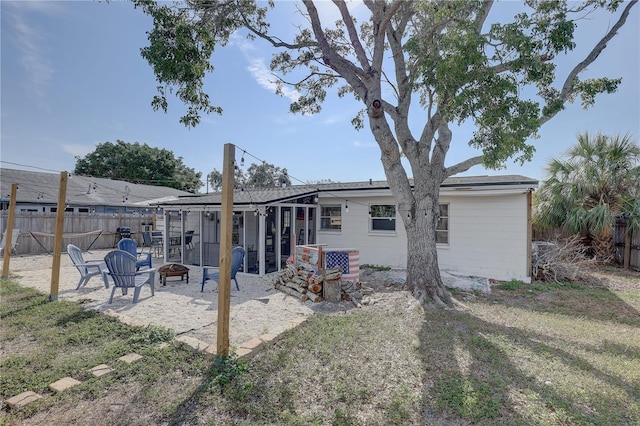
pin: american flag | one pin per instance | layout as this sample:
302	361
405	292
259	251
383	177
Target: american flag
349	261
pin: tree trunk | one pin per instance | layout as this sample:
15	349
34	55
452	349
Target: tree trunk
603	247
418	205
423	273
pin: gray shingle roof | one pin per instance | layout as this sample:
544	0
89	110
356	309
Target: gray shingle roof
42	188
275	195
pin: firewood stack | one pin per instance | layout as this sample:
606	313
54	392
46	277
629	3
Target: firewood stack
307	285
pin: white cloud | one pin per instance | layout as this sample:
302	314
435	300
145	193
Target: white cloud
28	38
266	79
259	69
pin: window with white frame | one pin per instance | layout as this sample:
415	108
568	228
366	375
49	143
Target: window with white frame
331	217
382	217
442	229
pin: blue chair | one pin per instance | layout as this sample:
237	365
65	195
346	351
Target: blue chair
142	258
237	258
121	267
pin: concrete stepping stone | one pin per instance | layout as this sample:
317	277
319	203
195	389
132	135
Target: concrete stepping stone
23	399
63	384
245	353
196	344
129	358
101	370
269	337
252	344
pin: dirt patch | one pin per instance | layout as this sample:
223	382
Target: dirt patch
614	278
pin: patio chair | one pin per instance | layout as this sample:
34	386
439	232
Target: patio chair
188	239
87	268
237	258
146	238
15	233
157	242
142	258
121	267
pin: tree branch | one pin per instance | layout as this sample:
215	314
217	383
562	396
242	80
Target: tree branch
429	130
307	77
276	42
353	33
569	84
403	92
483	14
392	10
331	58
463	166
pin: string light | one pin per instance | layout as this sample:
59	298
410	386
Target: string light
288	176
92	186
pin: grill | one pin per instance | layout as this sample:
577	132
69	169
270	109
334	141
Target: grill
124	231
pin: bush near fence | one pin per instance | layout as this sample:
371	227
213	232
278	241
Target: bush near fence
76	223
621	241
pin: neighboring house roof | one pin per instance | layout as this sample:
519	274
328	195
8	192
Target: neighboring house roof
43	188
242	197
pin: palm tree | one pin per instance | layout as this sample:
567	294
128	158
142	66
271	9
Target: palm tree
598	182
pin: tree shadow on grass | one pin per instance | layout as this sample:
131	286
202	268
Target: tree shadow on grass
595	302
487	370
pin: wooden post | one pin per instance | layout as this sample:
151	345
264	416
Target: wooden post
57	241
226	225
627	248
9	235
529	233
262	242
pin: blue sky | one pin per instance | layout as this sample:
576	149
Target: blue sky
72	77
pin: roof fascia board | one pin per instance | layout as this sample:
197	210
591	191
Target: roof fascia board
485	192
352	193
491	184
240	203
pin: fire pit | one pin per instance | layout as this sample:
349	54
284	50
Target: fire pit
173	270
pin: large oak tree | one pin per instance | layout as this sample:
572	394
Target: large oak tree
138	163
446	57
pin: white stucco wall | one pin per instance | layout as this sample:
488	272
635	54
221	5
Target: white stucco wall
487	234
376	248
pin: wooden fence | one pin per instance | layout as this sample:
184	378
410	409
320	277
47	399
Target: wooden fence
627	247
75	224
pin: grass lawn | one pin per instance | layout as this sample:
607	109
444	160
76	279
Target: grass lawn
540	354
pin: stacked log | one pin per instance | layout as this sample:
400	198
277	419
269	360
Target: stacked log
305	284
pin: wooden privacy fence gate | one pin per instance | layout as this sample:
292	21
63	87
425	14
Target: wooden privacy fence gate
627	246
85	230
